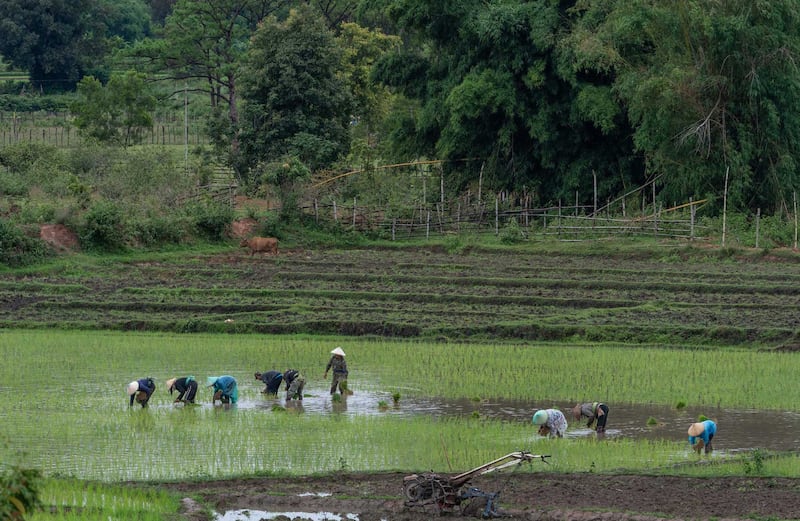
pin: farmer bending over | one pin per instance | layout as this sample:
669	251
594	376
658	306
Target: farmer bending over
339	367
186	387
551	422
141	390
701	434
225	389
595	412
295	382
272	381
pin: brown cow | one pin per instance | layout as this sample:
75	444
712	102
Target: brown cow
261	245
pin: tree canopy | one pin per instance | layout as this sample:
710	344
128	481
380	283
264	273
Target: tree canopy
295	101
56	41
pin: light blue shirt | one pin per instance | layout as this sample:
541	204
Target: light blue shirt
709	429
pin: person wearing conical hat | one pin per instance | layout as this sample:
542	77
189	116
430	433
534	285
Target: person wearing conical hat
551	422
595	412
701	434
338	365
225	388
186	387
141	390
272	381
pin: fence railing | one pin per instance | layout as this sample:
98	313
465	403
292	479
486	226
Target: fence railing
563	222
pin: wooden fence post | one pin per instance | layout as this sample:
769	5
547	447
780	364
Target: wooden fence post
496	216
758	225
428	226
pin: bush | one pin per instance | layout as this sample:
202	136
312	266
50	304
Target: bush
17	249
512	233
211	219
103	228
155	231
19	492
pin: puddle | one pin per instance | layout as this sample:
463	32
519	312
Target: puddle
259	515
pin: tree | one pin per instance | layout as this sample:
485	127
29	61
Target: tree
709	87
128	20
362	48
493	95
116	113
205	41
56	41
295	103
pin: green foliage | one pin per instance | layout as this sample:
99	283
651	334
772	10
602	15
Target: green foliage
12	185
708	88
753	464
17	249
19	492
295	103
159	230
212	220
103	228
512	232
504	93
116	113
56	55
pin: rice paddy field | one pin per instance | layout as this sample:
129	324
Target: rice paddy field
450	350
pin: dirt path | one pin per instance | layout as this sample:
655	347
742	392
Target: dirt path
535	496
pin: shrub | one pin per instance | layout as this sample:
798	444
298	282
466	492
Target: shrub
103	228
512	233
17	249
159	230
19	492
211	219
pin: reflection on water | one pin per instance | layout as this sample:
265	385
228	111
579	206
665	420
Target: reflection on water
739	429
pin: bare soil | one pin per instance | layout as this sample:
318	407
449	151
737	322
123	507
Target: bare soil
539	496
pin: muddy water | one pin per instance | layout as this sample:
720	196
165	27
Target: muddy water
738	429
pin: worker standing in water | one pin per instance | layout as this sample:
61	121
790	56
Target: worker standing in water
338	365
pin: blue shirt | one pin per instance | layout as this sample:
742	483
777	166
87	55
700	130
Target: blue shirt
227	384
709	430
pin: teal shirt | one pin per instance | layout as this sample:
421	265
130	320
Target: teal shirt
709	429
228	386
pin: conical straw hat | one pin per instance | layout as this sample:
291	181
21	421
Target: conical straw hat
133	387
338	351
171	383
696	429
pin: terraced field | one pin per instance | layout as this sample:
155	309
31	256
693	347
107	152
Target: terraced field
674	296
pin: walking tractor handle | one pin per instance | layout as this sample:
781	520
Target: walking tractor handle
509	460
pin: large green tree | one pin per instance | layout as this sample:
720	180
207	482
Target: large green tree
56	41
295	101
495	95
203	43
710	87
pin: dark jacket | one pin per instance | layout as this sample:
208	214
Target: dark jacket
146	385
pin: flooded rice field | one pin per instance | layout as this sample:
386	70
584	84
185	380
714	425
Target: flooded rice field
739	429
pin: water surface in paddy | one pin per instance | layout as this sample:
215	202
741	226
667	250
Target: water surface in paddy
738	429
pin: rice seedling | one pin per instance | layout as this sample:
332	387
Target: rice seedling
64	403
70	499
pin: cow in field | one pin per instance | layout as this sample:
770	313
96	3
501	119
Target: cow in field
261	245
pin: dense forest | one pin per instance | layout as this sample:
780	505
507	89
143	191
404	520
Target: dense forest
691	98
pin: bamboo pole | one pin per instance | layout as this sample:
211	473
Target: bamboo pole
725	206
